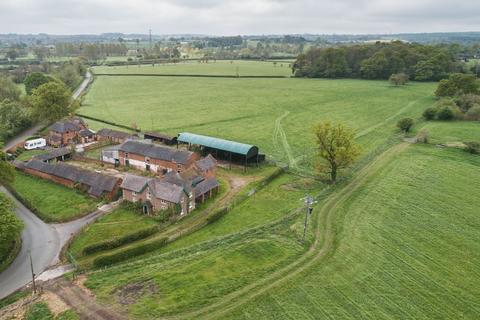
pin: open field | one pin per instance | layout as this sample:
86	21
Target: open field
220	67
406	246
453	131
275	114
53	202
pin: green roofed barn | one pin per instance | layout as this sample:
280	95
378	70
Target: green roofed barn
223	149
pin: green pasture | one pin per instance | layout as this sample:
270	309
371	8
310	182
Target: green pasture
275	114
452	131
219	67
53	202
407	246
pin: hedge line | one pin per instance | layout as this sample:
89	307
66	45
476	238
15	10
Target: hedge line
217	215
123	255
108	122
120	241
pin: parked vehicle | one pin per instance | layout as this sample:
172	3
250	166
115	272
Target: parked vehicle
35	144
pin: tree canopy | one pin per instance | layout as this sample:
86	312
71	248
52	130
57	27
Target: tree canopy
8	90
336	146
50	102
458	84
35	80
378	61
7	172
10	225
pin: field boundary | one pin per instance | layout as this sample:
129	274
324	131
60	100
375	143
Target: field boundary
187	75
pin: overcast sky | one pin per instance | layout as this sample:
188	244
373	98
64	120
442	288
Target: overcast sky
233	17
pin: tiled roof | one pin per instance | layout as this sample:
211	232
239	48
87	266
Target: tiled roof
55	153
86	133
109	133
97	182
165	191
134	183
154	151
205	186
64	126
206	163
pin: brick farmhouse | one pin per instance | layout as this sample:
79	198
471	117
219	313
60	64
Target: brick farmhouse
145	155
63	133
175	190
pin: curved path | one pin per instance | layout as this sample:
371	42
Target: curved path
324	238
44	241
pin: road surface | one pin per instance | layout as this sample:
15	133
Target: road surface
44	241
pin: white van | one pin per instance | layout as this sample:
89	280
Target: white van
35	144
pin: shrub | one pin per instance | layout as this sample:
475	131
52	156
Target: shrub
405	124
472	147
126	254
429	113
423	136
445	113
398	79
120	241
473	113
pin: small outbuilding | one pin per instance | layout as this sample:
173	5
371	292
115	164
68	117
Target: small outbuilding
160	137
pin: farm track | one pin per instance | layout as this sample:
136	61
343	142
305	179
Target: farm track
81	302
323	243
279	135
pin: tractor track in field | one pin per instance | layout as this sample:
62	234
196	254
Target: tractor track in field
324	238
280	137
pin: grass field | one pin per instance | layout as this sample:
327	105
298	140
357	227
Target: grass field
222	68
274	202
407	247
53	202
120	222
275	114
454	131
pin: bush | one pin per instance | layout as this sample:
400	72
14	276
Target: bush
423	136
429	114
405	124
472	147
126	254
117	242
445	113
473	113
398	79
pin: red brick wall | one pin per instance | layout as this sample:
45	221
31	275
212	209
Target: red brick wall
161	163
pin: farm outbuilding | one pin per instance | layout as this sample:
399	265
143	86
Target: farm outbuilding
223	149
160	137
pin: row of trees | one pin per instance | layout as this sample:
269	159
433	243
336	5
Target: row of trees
379	61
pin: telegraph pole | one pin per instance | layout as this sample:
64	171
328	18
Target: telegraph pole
309	201
150	38
33	273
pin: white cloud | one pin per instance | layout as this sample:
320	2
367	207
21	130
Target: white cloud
231	17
